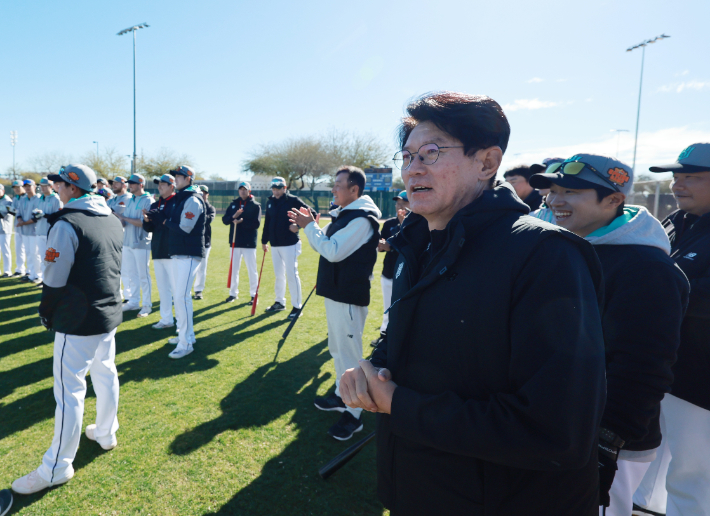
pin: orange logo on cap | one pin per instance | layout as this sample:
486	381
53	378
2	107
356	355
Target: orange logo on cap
618	176
189	172
50	255
189	215
73	176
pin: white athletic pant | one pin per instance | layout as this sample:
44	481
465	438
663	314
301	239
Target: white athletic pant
249	256
686	432
345	326
20	254
138	275
184	269
42	249
201	277
627	479
34	263
126	291
74	356
386	301
285	260
5	253
163	270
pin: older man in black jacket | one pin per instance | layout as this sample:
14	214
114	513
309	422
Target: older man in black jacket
486	408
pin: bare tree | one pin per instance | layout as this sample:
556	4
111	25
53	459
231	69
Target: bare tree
109	164
162	162
49	162
358	150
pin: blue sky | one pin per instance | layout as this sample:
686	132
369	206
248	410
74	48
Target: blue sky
218	79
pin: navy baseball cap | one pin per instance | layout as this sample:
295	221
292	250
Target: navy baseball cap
184	170
583	171
165	178
401	196
694	158
244	184
278	182
136	179
78	175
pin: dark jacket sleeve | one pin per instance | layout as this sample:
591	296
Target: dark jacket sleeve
265	232
227	217
50	299
549	418
210	214
379	356
699	302
149	225
252	217
640	350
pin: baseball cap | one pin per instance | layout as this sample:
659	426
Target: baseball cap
537	169
183	170
118	179
136	179
165	178
401	195
204	188
78	175
244	184
17	182
101	181
694	158
278	182
45	181
551	161
28	182
583	170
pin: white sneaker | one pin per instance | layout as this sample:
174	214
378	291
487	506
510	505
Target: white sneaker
145	311
33	483
128	306
161	325
174	340
179	353
91	430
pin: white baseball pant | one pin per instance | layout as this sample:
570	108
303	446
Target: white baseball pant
74	356
33	259
20	254
386	301
627	479
686	429
42	249
345	326
201	277
184	270
249	256
163	270
652	494
126	291
138	275
6	253
285	260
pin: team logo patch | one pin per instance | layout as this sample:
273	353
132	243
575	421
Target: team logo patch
690	256
189	215
618	176
73	176
51	255
399	270
686	153
121	203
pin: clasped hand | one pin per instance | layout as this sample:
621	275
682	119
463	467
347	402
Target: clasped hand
368	388
301	217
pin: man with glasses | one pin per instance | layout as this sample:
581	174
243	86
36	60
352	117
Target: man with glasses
118	203
483	408
587	196
684	467
136	243
285	245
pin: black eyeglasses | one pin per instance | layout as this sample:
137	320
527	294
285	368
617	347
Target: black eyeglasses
428	154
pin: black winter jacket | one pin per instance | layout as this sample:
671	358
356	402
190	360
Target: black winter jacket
159	211
690	248
247	229
498	353
389	229
210	214
276	222
645	297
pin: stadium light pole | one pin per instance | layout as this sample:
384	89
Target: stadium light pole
642	46
13	141
97	151
134	29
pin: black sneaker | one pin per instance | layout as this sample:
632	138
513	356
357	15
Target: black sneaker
6	275
640	511
251	303
330	402
198	295
17	274
346	426
25	278
276	307
230	299
295	312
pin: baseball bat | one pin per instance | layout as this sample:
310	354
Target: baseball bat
298	315
231	259
344	457
258	284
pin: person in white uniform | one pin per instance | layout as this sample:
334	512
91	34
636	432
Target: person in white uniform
117	203
49	203
20	254
136	246
348	250
244	216
210	213
186	246
82	304
6	220
26	222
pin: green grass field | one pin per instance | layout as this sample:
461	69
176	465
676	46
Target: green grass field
229	429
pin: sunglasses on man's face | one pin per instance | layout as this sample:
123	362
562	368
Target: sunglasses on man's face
573	168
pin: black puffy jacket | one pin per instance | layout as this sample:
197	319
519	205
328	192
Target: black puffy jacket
276	222
161	209
251	219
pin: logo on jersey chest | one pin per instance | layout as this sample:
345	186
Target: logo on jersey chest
690	256
399	270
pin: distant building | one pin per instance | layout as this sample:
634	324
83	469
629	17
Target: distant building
260	182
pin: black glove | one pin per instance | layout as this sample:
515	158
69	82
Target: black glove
11	210
608	455
156	216
46	323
